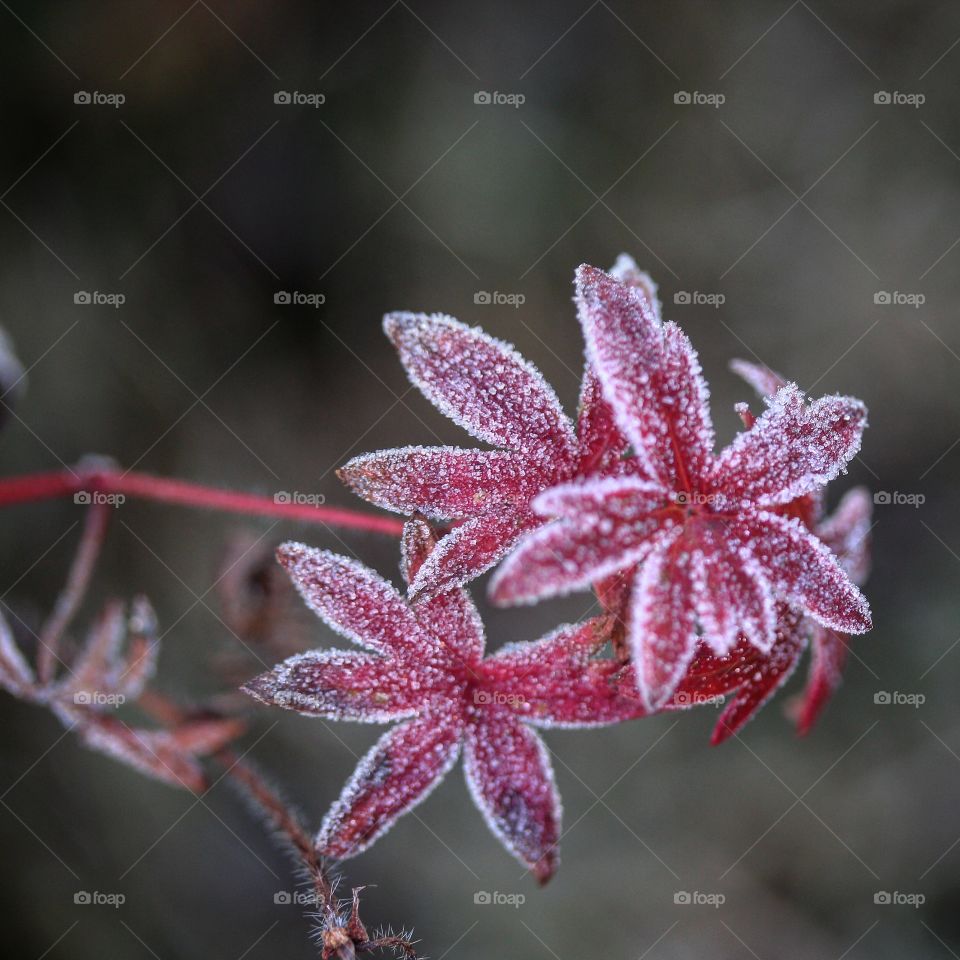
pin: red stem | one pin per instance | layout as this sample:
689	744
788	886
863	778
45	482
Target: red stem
31	488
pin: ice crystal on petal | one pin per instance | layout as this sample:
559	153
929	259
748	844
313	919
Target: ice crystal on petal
446	694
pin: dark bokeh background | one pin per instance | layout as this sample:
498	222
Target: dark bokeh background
799	199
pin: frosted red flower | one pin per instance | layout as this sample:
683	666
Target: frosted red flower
424	665
487	388
754	677
709	548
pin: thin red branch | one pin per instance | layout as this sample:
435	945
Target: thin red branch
31	488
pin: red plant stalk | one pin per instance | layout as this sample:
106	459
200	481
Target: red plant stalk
111	481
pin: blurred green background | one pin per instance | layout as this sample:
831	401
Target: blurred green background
798	199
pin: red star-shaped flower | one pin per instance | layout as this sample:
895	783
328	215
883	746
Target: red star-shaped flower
486	387
707	536
754	677
424	666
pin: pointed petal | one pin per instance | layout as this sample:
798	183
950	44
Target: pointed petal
626	271
736	598
769	674
624	499
557	681
395	776
136	668
342	685
710	677
604	527
511	781
471	549
792	449
450	616
662	632
602	444
442	482
482	384
847	532
804	572
826	675
102	647
352	600
764	380
16	677
651	378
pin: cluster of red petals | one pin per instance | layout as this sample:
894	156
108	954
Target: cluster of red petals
715	570
423	664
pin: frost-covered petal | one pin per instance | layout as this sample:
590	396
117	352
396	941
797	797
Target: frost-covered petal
829	651
511	781
557	681
397	773
736	598
601	442
574	552
847	532
804	572
651	378
766	676
102	647
353	600
343	685
16	677
792	449
482	384
471	549
443	482
626	271
131	673
624	499
662	624
450	616
764	380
